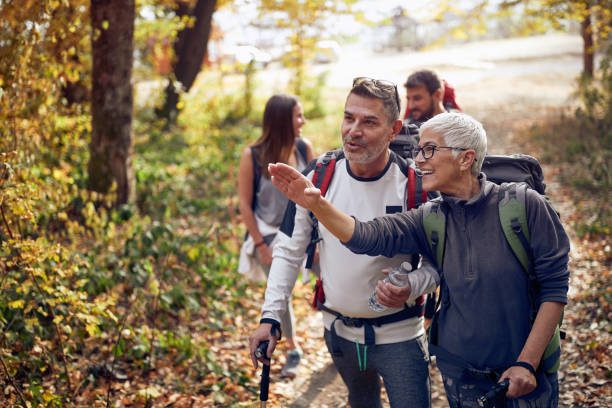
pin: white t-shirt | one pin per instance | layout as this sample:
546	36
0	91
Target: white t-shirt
348	278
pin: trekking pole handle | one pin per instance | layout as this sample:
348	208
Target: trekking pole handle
488	399
262	348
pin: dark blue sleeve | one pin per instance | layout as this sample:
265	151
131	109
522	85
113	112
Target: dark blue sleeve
550	245
400	233
432	194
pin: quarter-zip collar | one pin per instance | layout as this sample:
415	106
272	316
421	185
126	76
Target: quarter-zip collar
474	202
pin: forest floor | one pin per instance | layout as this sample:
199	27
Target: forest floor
507	106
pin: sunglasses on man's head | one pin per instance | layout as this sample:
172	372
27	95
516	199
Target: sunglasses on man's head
381	84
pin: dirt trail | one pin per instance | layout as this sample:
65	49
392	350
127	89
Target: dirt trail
506	105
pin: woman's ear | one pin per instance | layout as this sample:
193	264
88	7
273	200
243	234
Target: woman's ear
467	159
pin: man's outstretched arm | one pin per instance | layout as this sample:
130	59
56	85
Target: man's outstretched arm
300	190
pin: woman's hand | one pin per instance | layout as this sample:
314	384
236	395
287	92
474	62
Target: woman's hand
265	254
521	381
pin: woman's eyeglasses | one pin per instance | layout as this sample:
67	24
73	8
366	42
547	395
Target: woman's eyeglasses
429	150
381	84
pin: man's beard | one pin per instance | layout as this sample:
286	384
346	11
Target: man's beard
370	153
425	116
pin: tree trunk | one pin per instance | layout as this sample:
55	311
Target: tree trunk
586	30
189	51
110	149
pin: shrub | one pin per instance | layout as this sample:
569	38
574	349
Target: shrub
580	143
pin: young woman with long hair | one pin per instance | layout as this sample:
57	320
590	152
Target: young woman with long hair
262	205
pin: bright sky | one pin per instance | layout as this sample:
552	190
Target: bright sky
383	8
374	9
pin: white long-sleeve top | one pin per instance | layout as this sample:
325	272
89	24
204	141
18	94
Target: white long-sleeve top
349	279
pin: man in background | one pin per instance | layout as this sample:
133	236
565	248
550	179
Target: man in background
427	96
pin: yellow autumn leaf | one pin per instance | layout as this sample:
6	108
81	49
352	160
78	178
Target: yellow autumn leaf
193	253
154	287
111	315
92	329
17	304
31	323
58	174
47	396
150	392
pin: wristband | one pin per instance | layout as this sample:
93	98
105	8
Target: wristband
260	243
524	365
274	328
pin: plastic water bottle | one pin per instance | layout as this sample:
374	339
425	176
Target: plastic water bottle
397	276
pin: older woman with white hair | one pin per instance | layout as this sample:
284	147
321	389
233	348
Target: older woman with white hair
483	331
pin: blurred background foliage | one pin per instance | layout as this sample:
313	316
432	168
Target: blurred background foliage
89	288
579	143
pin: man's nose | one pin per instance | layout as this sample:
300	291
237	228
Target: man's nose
355	129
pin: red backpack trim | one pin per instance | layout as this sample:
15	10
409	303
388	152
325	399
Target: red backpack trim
326	165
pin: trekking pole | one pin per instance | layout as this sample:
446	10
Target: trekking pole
265	373
498	390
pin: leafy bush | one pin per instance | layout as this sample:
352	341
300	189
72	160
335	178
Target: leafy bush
89	289
581	144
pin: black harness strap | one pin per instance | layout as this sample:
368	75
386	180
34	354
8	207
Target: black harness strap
368	324
490	374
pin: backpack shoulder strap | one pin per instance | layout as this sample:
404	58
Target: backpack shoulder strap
415	195
256	176
323	172
301	149
513	219
434	222
324	169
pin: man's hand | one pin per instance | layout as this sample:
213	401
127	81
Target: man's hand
294	185
390	295
262	333
301	191
521	381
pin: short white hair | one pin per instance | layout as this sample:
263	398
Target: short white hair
460	130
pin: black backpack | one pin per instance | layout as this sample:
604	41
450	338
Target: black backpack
407	140
300	148
498	168
519	168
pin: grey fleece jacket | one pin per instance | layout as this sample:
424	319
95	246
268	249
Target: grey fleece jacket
486	318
